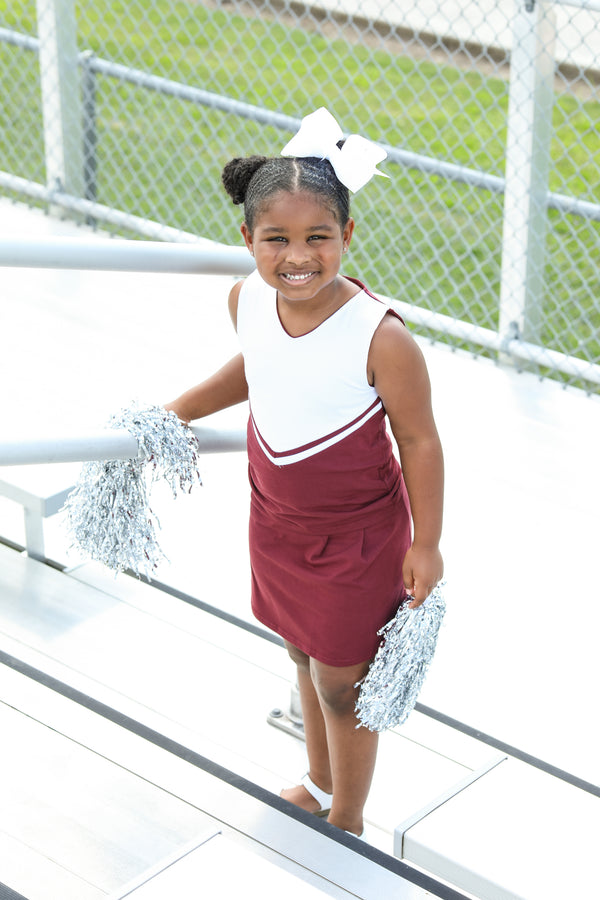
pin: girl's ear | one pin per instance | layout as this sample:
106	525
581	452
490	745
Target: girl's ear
247	237
347	233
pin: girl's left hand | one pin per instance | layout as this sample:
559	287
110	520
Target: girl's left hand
423	568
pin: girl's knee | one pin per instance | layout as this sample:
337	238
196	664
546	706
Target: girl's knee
336	687
297	656
338	699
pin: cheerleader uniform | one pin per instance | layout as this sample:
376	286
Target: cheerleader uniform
329	515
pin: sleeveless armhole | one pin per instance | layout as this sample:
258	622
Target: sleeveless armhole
375	297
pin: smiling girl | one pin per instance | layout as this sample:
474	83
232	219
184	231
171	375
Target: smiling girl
340	532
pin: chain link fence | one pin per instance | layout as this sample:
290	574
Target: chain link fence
488	231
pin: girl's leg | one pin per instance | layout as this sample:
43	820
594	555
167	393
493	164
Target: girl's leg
315	733
352	751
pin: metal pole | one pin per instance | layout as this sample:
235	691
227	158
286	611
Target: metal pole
527	172
110	444
61	96
90	136
126	256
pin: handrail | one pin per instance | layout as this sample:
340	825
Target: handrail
126	256
204	258
511	347
109	444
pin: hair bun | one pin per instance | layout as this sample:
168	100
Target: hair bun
237	175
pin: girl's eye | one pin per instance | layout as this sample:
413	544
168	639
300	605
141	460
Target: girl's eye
280	239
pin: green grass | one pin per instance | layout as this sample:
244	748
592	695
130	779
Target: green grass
419	238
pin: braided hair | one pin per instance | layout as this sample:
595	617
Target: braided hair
254	180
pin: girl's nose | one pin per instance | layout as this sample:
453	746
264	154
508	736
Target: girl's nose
297	252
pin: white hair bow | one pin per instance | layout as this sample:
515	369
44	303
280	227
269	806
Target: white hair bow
354	164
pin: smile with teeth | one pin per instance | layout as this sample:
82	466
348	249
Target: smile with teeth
301	277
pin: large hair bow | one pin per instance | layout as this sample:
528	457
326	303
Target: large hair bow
354	164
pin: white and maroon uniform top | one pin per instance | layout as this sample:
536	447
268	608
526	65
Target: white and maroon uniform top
307	392
320	465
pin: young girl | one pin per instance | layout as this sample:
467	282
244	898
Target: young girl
322	363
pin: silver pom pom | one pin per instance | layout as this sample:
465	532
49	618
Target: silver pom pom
390	688
108	513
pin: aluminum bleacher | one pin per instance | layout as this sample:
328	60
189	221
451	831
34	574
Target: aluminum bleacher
134	719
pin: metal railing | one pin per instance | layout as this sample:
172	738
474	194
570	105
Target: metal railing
111	444
126	256
149	256
104	445
117	255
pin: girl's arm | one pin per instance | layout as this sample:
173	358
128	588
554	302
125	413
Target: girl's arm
398	372
225	388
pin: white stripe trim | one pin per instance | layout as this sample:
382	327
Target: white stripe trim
288	459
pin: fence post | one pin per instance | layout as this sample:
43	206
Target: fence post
90	135
61	95
527	170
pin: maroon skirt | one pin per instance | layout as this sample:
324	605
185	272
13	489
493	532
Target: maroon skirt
328	536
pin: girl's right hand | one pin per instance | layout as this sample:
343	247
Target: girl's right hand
173	407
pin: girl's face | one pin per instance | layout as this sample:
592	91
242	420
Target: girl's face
298	244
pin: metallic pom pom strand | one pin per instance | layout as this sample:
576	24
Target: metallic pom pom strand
109	518
166	444
390	689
